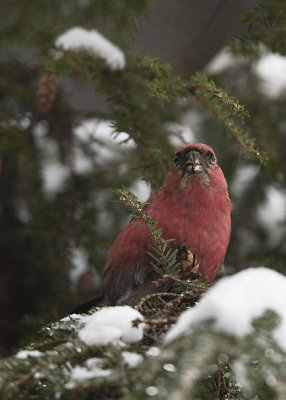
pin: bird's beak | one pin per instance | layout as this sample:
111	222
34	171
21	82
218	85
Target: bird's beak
195	163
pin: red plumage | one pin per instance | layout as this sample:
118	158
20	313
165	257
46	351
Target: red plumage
193	207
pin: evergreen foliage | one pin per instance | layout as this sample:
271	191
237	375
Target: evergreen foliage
202	364
224	107
41	228
164	258
266	26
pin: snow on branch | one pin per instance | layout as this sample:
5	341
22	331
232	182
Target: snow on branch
233	340
96	44
234	302
111	324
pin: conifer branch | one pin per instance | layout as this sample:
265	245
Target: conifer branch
161	84
223	107
168	87
266	26
165	259
188	284
229	125
152	296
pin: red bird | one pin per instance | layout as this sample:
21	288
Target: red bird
192	206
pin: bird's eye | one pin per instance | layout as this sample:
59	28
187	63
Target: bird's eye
210	156
177	158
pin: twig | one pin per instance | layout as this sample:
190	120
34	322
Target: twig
225	386
152	296
160	321
185	283
154	321
218	385
187	296
152	337
23	378
162	301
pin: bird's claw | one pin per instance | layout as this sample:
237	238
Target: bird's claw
196	276
189	265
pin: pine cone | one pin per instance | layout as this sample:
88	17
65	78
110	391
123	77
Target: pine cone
47	89
188	262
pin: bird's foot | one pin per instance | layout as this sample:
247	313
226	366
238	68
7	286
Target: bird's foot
189	265
196	276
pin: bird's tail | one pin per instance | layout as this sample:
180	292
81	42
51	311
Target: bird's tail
85	307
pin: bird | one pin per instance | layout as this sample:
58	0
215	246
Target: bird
193	207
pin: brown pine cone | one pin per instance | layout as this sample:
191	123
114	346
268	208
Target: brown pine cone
188	262
47	89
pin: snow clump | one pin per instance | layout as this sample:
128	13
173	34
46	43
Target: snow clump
112	325
79	38
235	301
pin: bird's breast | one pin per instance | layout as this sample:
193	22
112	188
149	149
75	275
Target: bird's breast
201	220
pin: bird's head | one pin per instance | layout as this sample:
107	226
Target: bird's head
194	160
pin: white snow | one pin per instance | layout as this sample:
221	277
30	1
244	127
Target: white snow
23	354
180	133
101	130
111	325
221	61
70	317
271	213
99	134
91	40
141	189
94	362
92	368
131	359
103	138
54	172
154	351
271	68
54	175
235	301
79	373
244	176
79	258
81	163
240	369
